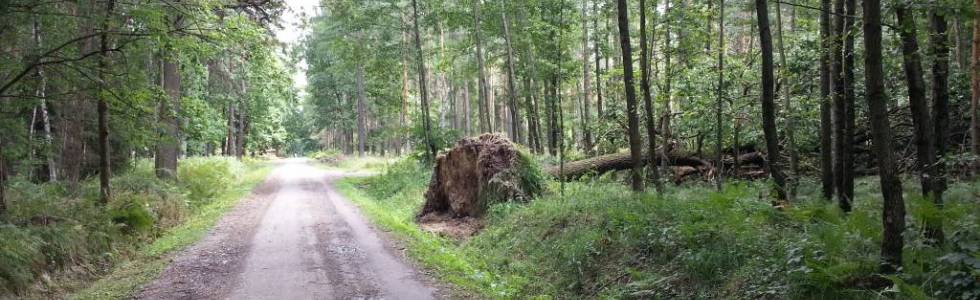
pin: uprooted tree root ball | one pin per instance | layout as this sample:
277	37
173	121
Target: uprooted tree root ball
477	172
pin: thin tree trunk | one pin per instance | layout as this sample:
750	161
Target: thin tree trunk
533	127
668	75
361	112
586	81
846	189
940	98
768	105
893	216
654	171
3	179
492	104
552	112
515	119
483	100
468	111
403	112
41	94
598	55
922	122
243	123
105	191
636	153
826	144
787	96
721	96
231	140
975	83
426	125
839	104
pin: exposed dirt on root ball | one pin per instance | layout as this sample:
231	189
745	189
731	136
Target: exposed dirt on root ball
477	172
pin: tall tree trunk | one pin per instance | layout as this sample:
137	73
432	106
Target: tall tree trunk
975	83
243	123
940	109
73	124
893	216
553	114
787	95
426	125
921	120
654	171
105	191
826	144
636	151
586	80
492	105
468	111
846	189
3	179
841	139
231	138
166	148
483	100
403	112
533	127
837	102
768	105
598	55
668	75
41	94
720	104
515	120
362	112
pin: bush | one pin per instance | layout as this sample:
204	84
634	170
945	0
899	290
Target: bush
47	228
602	241
328	156
206	177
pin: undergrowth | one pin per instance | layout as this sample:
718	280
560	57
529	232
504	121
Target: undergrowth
602	241
54	239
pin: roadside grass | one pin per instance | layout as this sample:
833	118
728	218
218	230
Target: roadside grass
336	160
107	252
602	241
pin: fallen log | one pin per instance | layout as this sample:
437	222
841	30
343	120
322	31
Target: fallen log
682	164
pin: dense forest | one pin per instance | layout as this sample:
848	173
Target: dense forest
866	117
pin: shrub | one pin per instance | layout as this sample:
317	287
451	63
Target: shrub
328	156
47	228
206	177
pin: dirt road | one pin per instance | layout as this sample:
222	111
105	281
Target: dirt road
295	237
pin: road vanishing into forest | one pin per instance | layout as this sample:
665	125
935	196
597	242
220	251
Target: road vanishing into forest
294	237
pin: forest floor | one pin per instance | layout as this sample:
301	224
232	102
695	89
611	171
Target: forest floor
295	238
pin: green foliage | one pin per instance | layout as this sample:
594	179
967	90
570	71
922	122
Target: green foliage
204	178
20	253
602	241
48	229
135	216
330	156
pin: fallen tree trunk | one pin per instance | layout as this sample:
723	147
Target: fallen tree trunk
683	164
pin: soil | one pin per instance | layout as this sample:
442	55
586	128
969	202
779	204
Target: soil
295	237
475	171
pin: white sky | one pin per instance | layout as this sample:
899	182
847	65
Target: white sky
292	31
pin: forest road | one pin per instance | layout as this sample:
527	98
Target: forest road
295	237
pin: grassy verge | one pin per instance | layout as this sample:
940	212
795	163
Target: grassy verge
61	243
149	261
601	241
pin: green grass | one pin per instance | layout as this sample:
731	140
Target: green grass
601	241
147	264
91	251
